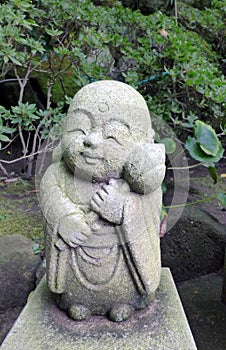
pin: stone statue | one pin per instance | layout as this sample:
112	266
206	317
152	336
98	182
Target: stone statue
102	201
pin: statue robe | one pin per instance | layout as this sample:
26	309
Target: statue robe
137	237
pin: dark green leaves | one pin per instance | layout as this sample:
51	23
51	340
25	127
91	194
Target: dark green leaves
213	173
170	145
4	130
67	44
207	138
205	145
221	196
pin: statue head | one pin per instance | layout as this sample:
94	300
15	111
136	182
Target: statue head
105	121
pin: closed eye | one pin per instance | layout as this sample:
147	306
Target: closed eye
111	137
117	131
77	129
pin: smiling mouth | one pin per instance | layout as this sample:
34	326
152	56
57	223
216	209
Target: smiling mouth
91	158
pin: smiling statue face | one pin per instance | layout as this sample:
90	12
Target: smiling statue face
95	147
105	121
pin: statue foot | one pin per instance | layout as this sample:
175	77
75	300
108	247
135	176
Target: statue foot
62	303
145	301
120	312
79	312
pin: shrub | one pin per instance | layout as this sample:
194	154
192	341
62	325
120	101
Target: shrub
71	43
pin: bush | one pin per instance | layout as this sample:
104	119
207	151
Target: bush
164	57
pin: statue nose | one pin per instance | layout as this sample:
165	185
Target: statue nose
93	139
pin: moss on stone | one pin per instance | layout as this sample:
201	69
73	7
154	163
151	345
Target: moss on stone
19	213
63	85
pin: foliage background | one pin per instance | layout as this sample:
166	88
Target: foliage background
172	52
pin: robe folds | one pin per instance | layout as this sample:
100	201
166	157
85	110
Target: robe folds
135	241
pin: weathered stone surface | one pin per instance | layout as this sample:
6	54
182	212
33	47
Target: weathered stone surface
42	325
18	264
102	203
194	246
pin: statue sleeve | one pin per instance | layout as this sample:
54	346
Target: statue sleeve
140	241
54	202
55	205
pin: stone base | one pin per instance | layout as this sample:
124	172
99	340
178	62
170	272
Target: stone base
162	326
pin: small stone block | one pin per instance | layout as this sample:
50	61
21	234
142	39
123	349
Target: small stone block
162	326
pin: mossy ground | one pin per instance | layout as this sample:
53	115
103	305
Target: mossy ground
19	211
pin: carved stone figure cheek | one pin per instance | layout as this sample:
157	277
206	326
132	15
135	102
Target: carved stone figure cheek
75	137
76	126
72	145
117	131
117	142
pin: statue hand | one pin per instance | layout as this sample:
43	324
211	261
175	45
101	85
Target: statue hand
74	230
144	168
108	203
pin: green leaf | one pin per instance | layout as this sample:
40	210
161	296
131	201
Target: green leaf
7	130
4	138
170	145
53	32
15	61
221	196
6	59
195	151
36	248
163	212
164	187
207	138
213	173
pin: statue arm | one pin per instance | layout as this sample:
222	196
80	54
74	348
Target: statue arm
64	220
62	215
144	169
53	200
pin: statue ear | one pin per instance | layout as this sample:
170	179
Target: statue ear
144	169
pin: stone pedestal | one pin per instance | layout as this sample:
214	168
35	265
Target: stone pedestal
162	326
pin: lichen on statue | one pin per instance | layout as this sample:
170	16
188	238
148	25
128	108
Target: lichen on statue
102	203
